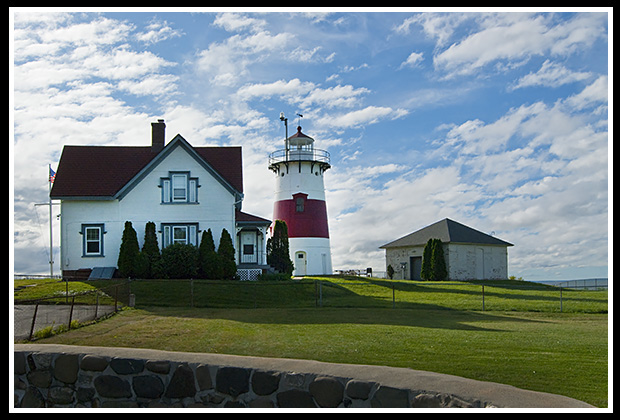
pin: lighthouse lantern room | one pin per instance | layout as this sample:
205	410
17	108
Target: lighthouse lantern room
300	201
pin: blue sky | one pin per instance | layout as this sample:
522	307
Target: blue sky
497	119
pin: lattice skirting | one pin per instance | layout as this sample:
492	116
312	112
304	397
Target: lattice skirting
249	274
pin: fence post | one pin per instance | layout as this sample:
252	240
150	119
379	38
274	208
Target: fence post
320	293
560	299
71	312
316	294
191	293
393	297
483	297
34	317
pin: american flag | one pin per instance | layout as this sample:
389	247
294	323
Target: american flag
52	174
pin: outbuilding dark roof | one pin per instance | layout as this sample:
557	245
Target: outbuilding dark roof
448	231
103	171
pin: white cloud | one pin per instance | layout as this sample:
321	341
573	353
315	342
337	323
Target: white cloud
440	26
552	75
594	94
355	119
515	37
413	60
226	62
36	32
292	89
157	31
234	22
334	97
305	95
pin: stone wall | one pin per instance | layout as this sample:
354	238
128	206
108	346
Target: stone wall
67	376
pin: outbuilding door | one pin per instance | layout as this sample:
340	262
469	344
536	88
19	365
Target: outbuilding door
415	268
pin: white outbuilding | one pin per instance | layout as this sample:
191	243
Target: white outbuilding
469	253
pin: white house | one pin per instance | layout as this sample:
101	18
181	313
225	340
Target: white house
469	253
184	190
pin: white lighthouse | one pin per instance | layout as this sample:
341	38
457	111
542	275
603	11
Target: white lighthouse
300	202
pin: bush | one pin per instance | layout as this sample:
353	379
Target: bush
278	249
226	254
129	251
209	266
438	262
433	261
179	261
149	260
142	267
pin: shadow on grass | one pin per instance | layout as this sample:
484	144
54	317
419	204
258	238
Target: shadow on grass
358	301
424	316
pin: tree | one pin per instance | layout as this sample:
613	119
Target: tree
128	253
226	254
148	264
209	267
390	271
426	271
278	249
438	262
433	261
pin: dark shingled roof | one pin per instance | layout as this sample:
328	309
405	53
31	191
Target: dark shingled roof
448	231
241	217
102	171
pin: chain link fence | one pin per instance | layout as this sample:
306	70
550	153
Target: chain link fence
66	308
358	292
34	318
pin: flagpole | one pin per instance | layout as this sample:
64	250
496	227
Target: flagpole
49	181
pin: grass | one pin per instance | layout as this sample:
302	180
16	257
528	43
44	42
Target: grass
54	291
432	327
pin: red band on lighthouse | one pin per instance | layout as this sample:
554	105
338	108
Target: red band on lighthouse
305	218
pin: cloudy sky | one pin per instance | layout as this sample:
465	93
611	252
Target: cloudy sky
496	119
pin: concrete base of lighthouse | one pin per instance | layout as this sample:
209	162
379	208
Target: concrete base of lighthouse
310	256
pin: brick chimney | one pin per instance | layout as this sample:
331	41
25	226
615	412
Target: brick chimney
158	136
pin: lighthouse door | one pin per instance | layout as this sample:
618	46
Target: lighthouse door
301	263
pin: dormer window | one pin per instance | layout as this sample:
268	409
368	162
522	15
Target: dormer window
179	188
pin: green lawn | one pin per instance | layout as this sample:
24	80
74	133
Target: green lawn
437	328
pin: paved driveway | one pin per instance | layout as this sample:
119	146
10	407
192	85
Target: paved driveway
52	315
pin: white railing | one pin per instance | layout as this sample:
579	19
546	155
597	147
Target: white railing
302	154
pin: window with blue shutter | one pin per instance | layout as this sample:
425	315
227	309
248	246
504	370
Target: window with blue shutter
179	233
179	188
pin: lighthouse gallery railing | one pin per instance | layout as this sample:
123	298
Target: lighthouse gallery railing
310	155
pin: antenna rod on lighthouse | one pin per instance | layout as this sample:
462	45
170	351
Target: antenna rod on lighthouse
283	118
